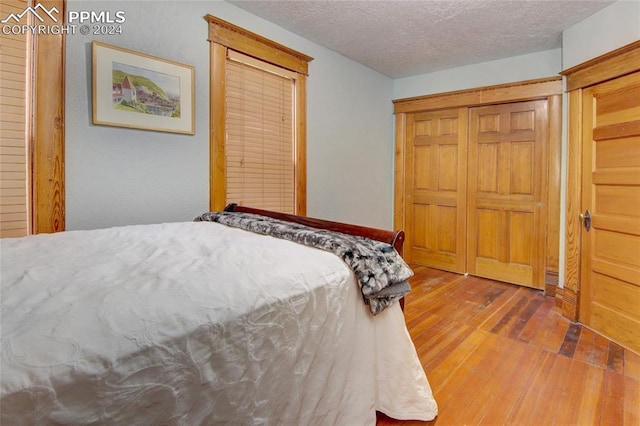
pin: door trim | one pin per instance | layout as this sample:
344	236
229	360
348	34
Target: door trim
48	135
617	63
527	90
605	67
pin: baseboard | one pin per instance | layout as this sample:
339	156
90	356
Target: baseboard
569	304
551	281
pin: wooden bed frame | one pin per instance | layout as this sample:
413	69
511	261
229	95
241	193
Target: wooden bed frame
395	238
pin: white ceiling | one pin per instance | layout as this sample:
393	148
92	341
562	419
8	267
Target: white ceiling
401	38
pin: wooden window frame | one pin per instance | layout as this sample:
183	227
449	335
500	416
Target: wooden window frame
222	36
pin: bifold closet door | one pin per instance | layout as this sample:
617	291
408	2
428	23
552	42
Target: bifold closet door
435	189
505	192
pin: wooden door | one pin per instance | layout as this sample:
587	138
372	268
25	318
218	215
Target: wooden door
610	261
505	203
435	210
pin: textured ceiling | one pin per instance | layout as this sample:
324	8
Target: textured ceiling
401	38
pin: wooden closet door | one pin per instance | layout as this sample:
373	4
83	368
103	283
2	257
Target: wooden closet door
610	261
505	202
435	209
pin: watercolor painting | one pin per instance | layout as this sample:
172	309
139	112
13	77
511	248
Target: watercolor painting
136	90
144	91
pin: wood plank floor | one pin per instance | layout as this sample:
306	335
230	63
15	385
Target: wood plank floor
500	354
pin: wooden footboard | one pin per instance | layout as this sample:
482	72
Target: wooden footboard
395	238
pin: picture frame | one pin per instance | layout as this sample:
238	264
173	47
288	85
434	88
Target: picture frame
140	91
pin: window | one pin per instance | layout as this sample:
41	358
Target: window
259	153
14	124
258	123
31	124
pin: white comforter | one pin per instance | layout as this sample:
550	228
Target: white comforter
195	323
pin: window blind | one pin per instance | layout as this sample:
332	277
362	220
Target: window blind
14	131
259	147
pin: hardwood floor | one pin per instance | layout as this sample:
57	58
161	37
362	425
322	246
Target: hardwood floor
498	354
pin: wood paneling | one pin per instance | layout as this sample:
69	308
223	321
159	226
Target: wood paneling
498	354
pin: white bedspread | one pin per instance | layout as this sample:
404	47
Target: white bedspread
195	323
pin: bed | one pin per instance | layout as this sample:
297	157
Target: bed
199	323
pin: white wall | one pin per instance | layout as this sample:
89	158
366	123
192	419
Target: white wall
543	64
117	176
120	176
612	27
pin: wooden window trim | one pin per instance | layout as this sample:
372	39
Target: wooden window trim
252	44
222	36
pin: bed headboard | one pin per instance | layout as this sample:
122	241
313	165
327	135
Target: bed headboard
395	238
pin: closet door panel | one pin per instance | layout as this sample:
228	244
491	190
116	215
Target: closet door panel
506	170
435	189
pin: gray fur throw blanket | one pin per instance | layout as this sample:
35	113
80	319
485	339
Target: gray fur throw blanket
379	269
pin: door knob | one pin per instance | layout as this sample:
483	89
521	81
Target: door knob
585	218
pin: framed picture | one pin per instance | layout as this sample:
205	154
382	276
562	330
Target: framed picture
140	91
